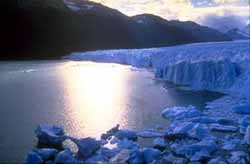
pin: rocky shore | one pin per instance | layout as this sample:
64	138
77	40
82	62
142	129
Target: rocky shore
193	136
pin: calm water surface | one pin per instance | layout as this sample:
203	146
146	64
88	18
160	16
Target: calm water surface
85	98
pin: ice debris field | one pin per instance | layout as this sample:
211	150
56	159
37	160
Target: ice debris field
192	137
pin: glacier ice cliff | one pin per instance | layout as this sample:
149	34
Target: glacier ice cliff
220	66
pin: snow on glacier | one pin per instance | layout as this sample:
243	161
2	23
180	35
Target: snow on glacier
215	66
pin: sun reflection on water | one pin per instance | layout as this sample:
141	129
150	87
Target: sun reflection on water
95	96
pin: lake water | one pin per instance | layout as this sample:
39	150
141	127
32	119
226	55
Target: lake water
85	98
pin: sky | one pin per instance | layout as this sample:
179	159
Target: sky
220	14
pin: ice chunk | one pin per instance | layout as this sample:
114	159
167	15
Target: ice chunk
136	157
149	134
223	128
159	143
244	123
232	144
242	109
66	157
110	132
238	157
247	136
51	136
196	151
181	130
211	120
102	155
87	146
179	113
151	154
46	153
217	160
126	134
33	158
127	144
122	157
173	159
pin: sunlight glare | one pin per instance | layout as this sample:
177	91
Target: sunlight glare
95	96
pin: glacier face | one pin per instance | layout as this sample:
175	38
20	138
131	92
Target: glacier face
220	66
208	75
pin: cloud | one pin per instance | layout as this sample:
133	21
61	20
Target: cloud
207	12
232	2
224	22
224	18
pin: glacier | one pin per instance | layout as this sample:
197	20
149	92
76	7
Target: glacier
222	66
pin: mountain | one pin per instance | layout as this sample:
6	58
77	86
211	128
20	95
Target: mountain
44	29
33	29
247	29
151	30
102	27
237	34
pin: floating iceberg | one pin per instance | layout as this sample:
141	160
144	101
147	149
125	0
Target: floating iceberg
151	154
247	136
244	123
238	157
65	157
126	134
33	158
149	134
223	128
159	143
86	146
242	109
50	135
180	113
232	144
197	151
188	130
46	153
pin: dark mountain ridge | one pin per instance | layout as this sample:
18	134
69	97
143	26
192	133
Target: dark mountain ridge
160	32
46	29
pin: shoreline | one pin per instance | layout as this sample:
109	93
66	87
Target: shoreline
192	136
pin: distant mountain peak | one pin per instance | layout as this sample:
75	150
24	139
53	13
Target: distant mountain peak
238	34
247	29
57	4
144	18
83	6
77	5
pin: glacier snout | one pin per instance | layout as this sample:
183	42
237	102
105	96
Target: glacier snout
208	75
